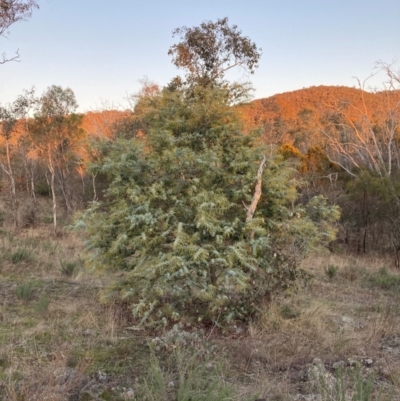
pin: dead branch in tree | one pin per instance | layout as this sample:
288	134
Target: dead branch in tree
6	60
257	192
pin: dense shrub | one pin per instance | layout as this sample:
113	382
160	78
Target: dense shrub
175	219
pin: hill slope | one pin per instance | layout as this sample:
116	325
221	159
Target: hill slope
284	116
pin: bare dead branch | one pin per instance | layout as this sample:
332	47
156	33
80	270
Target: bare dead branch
6	60
257	193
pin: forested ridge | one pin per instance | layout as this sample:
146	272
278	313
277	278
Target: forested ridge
300	117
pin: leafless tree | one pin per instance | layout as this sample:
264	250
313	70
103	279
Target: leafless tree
12	11
367	135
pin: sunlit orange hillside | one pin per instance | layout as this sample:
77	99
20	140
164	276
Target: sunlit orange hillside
305	108
100	123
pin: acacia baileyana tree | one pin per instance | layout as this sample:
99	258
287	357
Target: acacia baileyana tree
203	223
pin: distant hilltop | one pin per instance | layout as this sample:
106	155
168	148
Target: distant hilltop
286	116
318	99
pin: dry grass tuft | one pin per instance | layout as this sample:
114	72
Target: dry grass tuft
53	380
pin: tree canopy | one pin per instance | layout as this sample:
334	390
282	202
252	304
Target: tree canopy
209	50
55	132
12	11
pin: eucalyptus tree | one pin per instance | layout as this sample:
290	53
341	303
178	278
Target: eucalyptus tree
208	51
13	117
12	11
55	133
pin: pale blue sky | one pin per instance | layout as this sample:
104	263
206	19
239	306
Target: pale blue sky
101	49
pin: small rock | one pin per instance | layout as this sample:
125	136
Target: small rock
171	384
338	365
64	374
239	330
368	361
89	332
346	322
102	377
346	319
130	394
317	361
209	366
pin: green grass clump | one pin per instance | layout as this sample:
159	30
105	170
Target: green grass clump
68	269
331	271
184	376
50	247
42	305
20	255
384	280
288	312
24	292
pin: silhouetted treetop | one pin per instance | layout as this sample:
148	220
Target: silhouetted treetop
209	50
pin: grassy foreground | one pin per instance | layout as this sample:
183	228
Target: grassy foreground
336	338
